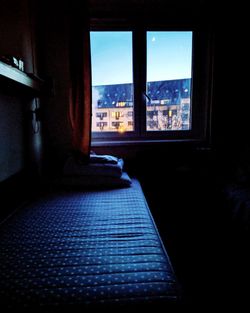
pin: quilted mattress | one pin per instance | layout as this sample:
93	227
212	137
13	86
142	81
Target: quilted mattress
85	249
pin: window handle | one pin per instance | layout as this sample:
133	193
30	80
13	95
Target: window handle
147	96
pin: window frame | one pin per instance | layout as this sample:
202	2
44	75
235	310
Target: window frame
201	97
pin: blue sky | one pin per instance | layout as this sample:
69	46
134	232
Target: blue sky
168	56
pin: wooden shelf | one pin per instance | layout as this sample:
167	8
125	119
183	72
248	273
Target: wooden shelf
12	74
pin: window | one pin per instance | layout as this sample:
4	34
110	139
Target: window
112	80
146	86
169	78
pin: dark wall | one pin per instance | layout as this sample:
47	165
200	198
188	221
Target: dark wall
11	136
229	107
229	120
16	39
15	31
20	133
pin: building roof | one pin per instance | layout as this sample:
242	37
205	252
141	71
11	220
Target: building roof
170	91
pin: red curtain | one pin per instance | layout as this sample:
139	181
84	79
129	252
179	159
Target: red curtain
80	103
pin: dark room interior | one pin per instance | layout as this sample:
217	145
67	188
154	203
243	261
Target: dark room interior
195	178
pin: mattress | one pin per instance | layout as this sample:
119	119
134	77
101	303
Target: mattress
85	249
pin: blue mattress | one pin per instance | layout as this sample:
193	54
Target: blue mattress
86	249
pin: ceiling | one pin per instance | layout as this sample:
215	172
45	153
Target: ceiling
120	6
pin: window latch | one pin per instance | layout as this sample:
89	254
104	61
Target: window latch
147	97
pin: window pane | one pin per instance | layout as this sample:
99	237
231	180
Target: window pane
169	77
112	81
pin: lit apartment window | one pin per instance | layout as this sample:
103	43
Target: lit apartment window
143	84
119	126
101	125
117	114
101	115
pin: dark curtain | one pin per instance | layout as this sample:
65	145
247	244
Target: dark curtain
80	103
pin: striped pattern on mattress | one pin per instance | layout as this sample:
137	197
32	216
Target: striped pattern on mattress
85	249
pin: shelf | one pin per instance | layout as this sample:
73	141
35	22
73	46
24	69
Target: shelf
12	74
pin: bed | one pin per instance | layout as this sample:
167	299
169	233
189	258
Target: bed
92	249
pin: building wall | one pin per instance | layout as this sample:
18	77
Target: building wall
112	119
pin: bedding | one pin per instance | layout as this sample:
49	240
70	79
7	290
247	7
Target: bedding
72	167
103	158
85	250
92	181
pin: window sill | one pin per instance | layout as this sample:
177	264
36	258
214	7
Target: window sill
148	142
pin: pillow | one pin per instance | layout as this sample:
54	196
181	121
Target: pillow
94	158
103	158
74	168
90	181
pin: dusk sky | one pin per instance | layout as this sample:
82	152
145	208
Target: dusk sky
169	56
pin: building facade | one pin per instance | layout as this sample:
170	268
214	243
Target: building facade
168	106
